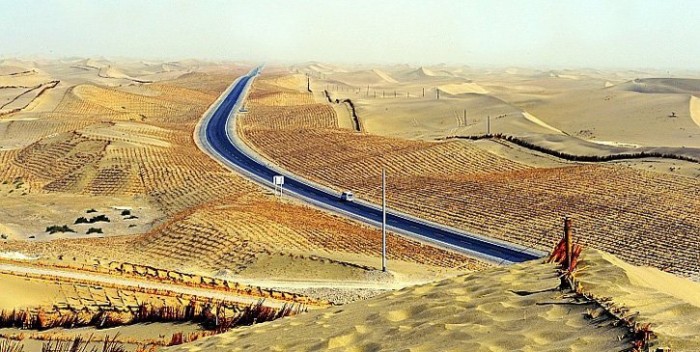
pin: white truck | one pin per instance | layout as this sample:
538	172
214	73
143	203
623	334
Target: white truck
347	196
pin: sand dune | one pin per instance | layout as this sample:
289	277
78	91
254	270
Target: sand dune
372	77
112	72
24	64
662	85
6	70
462	88
503	309
695	109
385	76
670	303
618	115
424	74
539	122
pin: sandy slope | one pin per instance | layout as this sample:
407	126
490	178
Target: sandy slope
670	303
539	122
503	309
462	88
695	109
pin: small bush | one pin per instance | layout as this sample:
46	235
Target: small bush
93	230
131	217
126	212
55	228
91	211
99	218
81	220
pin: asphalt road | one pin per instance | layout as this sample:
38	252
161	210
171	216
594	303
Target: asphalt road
221	143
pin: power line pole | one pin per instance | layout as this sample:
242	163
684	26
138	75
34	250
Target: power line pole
383	220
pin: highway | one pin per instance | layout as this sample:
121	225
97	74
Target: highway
218	137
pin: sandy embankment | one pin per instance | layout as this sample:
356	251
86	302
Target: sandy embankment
670	303
503	309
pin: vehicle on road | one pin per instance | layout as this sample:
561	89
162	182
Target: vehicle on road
347	196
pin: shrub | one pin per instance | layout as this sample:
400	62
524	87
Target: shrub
93	230
55	228
99	218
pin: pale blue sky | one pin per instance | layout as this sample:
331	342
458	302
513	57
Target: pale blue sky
616	33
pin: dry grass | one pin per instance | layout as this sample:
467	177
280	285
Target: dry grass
235	235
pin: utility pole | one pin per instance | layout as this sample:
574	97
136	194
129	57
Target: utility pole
423	92
488	125
568	240
368	90
383	220
437	93
308	83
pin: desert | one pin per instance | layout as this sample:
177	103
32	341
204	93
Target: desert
234	177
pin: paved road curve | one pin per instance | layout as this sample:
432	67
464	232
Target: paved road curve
220	139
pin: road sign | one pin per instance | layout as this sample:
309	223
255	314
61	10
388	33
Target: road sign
278	181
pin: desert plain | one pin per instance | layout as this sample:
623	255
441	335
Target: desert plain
115	222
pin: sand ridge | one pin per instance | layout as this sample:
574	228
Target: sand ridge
502	309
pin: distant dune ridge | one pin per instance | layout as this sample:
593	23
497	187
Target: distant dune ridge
662	85
616	107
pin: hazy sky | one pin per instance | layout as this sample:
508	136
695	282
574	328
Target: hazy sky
659	34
